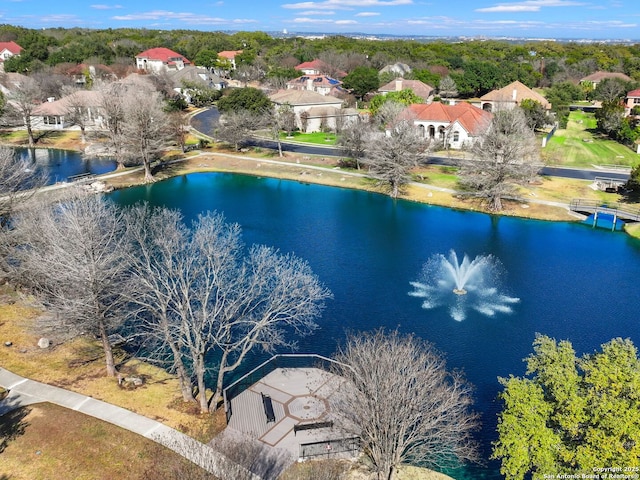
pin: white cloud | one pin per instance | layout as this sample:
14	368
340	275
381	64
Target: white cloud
346	22
318	12
188	18
528	6
347	4
367	14
106	7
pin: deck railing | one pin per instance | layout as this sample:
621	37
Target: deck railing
277	361
617	210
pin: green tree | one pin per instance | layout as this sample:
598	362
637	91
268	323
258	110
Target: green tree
244	99
404	97
361	81
609	117
535	113
571	415
206	58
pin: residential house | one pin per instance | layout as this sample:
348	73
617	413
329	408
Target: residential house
421	89
456	126
510	96
314	111
318	67
231	56
595	78
632	100
160	59
57	114
198	76
8	50
83	73
322	84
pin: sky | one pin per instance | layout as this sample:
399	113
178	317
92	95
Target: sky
577	19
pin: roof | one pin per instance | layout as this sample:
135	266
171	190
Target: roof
303	97
229	54
13	47
318	80
634	93
198	75
312	65
162	54
419	88
522	92
599	76
86	98
472	119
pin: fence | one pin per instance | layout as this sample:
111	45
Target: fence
329	448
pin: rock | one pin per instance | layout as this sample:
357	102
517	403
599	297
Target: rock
101	187
8	344
132	381
44	343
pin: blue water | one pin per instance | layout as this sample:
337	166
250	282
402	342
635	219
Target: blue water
60	165
574	282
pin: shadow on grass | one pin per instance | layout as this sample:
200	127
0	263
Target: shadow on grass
12	425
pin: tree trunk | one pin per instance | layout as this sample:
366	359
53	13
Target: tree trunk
279	147
217	395
202	387
108	351
30	135
148	177
83	137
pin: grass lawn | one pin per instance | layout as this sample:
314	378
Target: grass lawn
316	138
579	145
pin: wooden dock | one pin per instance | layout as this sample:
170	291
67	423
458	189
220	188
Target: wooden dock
299	396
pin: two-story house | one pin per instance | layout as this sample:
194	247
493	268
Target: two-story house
160	59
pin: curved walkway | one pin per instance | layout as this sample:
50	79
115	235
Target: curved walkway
23	392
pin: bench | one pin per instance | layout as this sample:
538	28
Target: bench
311	426
268	408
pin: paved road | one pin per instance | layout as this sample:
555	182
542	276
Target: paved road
206	120
24	392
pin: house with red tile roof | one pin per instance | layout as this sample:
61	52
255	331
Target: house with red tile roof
160	59
322	84
632	100
455	125
318	67
8	50
231	56
595	78
421	89
510	96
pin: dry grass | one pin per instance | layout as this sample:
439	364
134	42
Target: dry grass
78	365
45	441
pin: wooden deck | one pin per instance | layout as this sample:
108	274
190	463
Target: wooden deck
299	395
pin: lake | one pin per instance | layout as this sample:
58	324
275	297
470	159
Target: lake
573	282
61	165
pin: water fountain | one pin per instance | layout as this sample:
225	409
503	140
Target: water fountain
463	286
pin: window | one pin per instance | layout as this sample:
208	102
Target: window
456	136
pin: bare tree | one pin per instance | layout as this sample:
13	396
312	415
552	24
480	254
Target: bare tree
402	402
78	107
354	140
447	87
504	156
112	105
21	101
74	255
201	294
282	117
391	156
235	127
145	129
177	127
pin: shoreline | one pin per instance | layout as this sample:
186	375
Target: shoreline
325	171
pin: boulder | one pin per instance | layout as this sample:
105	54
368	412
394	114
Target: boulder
44	343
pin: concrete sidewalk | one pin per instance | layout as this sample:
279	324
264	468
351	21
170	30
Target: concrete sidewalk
23	392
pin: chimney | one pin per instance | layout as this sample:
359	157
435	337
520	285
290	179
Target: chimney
399	84
515	94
